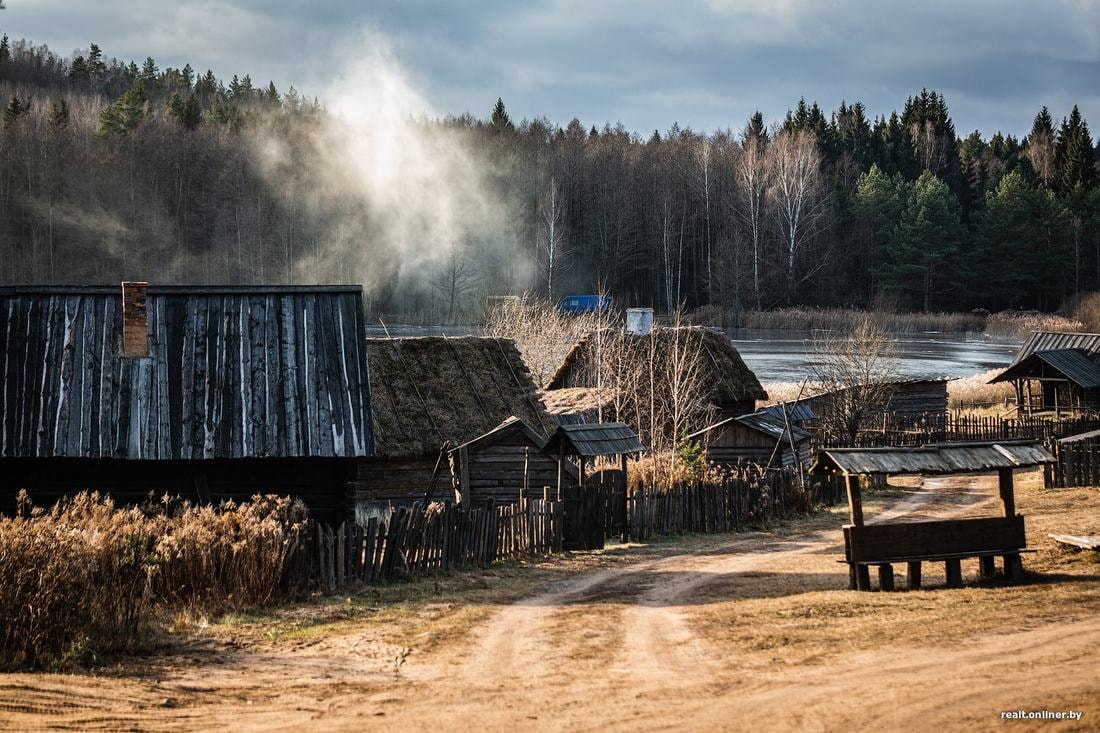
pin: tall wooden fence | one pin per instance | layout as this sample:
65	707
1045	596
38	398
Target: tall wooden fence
406	542
730	506
939	428
1076	464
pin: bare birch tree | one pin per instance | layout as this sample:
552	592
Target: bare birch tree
752	178
552	225
798	190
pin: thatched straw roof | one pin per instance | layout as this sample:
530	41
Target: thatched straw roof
729	379
582	404
431	389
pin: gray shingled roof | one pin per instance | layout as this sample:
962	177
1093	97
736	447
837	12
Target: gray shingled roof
940	458
761	422
1053	340
1075	365
596	439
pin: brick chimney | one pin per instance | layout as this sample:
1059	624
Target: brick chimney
135	325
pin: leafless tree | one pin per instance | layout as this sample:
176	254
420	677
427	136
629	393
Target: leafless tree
555	250
799	193
455	277
1040	151
752	176
855	373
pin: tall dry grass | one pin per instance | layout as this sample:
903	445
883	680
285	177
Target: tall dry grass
975	394
87	577
1085	308
1020	324
844	319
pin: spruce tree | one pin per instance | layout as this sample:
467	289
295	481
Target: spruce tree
59	114
1073	154
499	118
5	50
14	109
924	258
126	113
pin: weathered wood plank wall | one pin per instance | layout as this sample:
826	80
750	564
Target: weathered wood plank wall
231	373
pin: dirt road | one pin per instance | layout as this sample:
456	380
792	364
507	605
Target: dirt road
637	646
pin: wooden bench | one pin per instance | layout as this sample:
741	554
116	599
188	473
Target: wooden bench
947	541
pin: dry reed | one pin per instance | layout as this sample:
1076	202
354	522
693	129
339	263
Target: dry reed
86	577
1020	324
842	319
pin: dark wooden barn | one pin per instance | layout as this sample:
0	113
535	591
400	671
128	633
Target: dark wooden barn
758	438
431	395
731	387
208	392
1056	372
498	464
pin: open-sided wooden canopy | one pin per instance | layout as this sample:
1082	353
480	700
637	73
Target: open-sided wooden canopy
940	458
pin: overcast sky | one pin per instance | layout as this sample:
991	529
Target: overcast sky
704	64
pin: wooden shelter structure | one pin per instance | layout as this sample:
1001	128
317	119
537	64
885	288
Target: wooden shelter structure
1056	372
503	463
586	442
757	438
206	392
949	541
731	387
431	395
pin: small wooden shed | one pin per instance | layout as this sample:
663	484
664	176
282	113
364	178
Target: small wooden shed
588	441
758	438
502	462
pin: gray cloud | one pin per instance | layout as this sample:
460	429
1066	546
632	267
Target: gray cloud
707	64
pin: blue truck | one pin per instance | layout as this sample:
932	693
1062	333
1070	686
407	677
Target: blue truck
575	304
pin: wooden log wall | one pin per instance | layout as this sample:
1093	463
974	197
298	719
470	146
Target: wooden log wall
231	373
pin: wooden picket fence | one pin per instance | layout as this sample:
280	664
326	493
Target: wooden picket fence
407	542
1076	464
731	506
940	428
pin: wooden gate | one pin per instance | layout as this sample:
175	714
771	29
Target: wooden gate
583	526
612	481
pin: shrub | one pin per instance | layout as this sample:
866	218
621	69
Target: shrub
85	576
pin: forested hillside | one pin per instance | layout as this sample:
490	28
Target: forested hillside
112	170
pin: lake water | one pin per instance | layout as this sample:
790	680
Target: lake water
784	356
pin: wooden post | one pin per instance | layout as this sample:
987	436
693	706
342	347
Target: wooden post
561	457
985	565
1014	569
913	574
1005	486
953	570
885	576
626	500
855	500
582	469
526	474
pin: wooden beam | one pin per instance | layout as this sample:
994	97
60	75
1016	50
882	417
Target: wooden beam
855	500
986	566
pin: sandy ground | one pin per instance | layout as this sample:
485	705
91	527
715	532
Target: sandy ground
692	636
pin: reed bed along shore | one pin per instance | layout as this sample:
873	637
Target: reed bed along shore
87	577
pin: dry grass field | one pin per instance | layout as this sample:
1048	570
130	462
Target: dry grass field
699	633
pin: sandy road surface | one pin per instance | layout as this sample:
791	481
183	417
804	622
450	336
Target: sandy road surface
613	649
